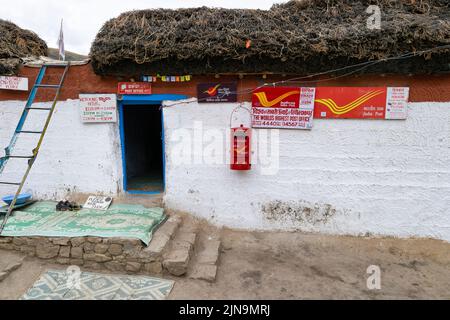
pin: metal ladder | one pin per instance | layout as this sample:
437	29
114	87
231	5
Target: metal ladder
19	130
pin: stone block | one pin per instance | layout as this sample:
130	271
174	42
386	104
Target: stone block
114	266
115	249
188	237
210	253
5	240
47	251
182	244
133	266
177	262
43	241
131	251
29	250
153	267
88	247
101	248
97	257
32	241
157	245
78	242
94	239
120	258
130	246
64	252
76	252
169	227
61	241
133	242
126	241
140	256
204	272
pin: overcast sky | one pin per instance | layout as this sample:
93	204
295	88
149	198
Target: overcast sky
83	18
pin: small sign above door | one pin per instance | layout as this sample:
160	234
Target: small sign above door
134	88
98	107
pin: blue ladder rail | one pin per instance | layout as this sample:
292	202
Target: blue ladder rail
19	130
22	119
38	84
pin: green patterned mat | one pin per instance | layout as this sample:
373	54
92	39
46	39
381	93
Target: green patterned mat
62	285
120	220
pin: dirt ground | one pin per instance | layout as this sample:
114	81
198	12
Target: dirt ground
281	265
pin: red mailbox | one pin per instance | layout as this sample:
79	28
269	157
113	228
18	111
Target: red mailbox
241	148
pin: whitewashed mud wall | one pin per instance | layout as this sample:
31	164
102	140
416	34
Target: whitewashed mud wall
74	158
344	177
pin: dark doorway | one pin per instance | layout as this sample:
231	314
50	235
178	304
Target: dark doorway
143	147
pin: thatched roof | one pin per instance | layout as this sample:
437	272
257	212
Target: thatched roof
17	43
298	37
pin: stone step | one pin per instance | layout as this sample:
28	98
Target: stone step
162	237
204	272
206	260
210	253
176	260
171	249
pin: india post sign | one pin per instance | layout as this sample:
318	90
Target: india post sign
97	108
283	108
217	92
361	103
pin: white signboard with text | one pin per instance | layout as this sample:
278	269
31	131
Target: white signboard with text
14	83
98	108
397	103
283	108
98	202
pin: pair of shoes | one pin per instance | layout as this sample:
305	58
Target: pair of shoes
67	206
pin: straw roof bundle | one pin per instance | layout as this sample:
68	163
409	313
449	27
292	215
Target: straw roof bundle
297	37
17	43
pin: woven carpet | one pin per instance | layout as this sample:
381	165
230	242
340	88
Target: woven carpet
60	285
120	220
